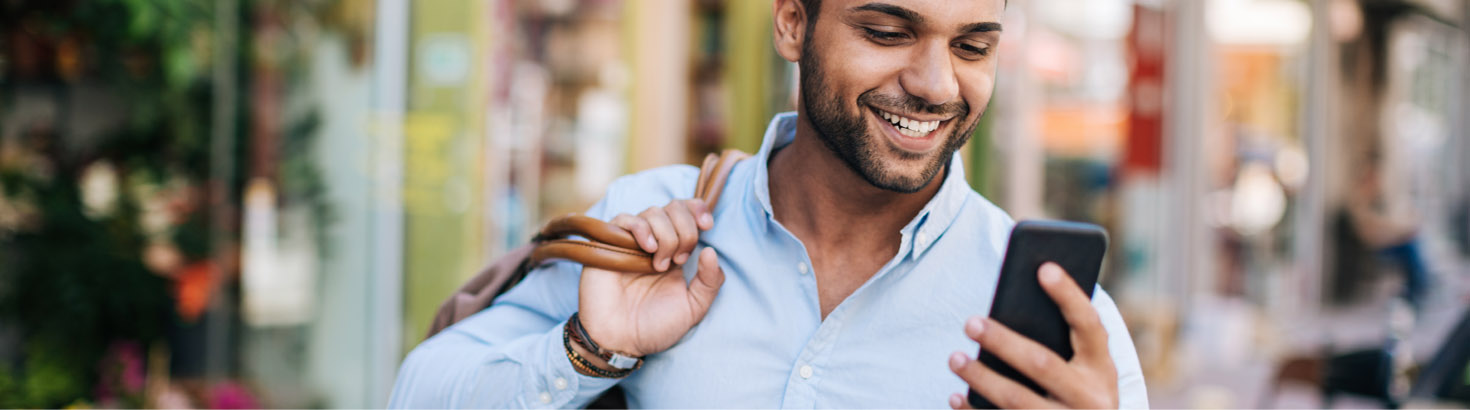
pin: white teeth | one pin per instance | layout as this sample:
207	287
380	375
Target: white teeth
912	128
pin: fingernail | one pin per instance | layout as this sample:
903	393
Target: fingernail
707	220
955	400
663	264
975	326
652	243
1049	273
681	258
957	360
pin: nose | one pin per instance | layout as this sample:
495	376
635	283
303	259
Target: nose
930	75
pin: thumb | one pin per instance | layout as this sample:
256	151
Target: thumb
706	283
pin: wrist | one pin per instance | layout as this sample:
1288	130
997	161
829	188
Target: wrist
579	350
603	338
592	360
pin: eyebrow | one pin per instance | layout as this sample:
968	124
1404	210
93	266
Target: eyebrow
915	18
892	10
980	27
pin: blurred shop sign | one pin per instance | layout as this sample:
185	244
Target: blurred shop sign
1146	93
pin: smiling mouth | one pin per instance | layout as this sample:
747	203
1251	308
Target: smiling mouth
909	127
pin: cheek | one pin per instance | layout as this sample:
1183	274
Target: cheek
854	66
976	89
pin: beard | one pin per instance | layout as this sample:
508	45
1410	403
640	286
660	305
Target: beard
847	135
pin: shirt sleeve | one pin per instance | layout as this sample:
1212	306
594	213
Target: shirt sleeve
510	355
1132	394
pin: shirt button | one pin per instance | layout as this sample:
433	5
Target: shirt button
545	398
560	383
922	239
806	372
801	267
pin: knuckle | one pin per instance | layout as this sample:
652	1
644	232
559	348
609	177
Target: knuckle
1043	364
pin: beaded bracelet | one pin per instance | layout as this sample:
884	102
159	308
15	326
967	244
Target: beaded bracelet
586	367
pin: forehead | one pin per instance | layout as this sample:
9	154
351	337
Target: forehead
938	12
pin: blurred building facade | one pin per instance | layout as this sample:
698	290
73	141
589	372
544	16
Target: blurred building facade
309	180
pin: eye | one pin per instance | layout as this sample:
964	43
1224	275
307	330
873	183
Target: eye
971	51
885	37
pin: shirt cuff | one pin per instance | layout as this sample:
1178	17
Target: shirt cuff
554	383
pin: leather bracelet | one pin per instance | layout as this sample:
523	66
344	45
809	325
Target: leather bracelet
615	359
582	365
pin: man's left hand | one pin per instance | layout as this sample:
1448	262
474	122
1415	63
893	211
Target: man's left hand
1088	381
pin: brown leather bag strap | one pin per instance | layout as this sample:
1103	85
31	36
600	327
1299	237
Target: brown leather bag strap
611	247
714	173
607	247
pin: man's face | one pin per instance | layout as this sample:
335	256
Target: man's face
894	87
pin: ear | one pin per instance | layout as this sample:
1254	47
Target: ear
790	26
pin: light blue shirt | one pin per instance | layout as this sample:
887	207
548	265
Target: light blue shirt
763	343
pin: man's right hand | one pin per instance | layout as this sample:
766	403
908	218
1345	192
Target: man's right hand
643	314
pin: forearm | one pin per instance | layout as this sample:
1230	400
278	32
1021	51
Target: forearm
459	371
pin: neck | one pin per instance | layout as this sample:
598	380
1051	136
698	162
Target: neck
816	196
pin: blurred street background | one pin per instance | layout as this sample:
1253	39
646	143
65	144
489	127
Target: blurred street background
261	203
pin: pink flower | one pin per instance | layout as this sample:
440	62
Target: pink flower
231	395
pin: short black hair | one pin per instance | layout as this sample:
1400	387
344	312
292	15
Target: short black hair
813	6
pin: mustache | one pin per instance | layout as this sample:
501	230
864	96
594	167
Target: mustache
910	103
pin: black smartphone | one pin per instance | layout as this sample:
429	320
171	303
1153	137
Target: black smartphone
1020	302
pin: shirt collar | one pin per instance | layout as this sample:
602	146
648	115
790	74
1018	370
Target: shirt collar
920	233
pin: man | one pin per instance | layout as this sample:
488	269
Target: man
847	265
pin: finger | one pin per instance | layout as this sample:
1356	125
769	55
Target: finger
958	401
1000	390
685	228
1032	359
1077	309
706	283
702	214
663	231
640	230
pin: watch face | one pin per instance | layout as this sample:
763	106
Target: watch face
622	362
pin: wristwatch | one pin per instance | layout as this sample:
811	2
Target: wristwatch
614	359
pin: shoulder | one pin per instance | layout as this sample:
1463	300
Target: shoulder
655	187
